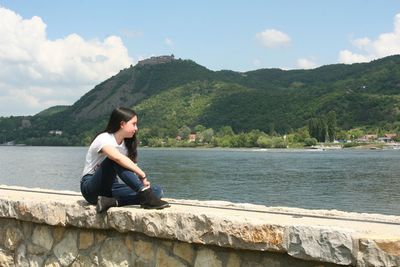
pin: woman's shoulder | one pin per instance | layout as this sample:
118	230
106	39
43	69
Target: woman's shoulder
103	134
101	140
102	137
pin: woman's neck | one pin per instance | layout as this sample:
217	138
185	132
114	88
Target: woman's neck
118	137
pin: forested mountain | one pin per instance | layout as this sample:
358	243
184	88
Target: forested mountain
180	93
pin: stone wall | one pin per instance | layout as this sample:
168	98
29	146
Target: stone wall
55	228
32	244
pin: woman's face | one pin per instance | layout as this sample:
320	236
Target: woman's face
129	128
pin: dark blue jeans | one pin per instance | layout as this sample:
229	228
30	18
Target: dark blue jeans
104	182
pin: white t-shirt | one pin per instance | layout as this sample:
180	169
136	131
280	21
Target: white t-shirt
94	156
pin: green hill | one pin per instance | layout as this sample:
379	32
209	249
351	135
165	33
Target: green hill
170	95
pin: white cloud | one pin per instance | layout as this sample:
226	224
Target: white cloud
168	41
348	57
385	45
304	63
36	72
271	38
361	43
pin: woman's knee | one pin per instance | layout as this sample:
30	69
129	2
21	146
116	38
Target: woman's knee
157	190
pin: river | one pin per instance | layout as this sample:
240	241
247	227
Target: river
348	180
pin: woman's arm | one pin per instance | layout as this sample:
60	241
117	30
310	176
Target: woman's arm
122	160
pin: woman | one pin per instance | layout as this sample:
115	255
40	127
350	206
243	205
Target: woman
112	153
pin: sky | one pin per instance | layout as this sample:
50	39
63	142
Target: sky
53	52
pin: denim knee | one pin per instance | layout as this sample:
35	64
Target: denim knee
91	198
157	190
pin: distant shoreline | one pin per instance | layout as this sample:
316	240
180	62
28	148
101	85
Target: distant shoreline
365	147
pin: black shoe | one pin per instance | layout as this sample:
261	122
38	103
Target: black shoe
104	203
149	201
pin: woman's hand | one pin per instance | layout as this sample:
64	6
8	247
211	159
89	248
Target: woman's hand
146	182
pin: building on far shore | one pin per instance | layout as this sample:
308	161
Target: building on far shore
56	132
387	138
367	138
192	137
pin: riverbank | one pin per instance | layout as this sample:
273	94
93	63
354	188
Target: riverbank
320	146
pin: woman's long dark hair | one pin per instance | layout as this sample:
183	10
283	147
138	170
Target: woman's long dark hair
117	116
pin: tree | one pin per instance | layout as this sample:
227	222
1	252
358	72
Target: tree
271	129
199	128
184	132
313	127
144	135
264	141
225	131
342	135
355	133
300	135
252	137
310	142
318	129
331	125
278	142
224	141
208	135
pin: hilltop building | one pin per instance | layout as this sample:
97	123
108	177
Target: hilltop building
156	60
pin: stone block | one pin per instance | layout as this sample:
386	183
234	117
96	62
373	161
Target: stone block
184	251
27	228
82	261
129	243
167	244
86	239
66	250
13	236
84	217
42	237
207	258
35	249
36	261
316	243
39	211
20	256
233	260
383	252
144	250
52	262
113	252
6	258
3	228
165	260
100	237
58	233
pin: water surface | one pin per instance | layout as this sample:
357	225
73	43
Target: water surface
350	180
